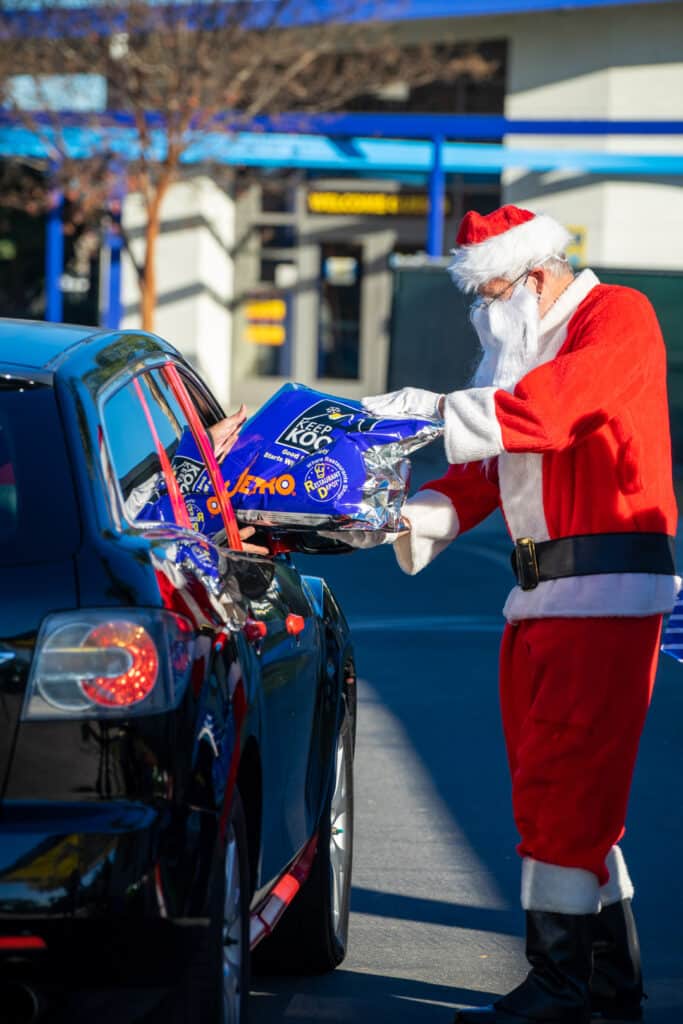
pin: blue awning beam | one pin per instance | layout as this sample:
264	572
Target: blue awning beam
457	127
81	18
395	144
317	152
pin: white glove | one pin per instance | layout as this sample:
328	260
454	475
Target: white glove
360	538
405	402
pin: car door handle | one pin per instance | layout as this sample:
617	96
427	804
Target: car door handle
295	624
254	630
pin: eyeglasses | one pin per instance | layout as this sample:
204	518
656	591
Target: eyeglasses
485	300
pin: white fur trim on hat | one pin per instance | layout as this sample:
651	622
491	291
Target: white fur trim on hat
509	254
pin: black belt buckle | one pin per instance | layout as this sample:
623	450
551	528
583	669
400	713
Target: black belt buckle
525	563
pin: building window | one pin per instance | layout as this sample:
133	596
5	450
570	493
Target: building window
339	310
469	79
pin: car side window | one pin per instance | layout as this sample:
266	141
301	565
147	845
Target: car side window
159	468
133	453
188	464
202	416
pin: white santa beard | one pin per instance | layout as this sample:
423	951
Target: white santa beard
509	334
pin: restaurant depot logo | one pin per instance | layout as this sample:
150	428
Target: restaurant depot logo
325	480
311	431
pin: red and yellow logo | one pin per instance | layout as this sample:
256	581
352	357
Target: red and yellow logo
250	484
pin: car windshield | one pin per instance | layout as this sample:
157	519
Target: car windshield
38	509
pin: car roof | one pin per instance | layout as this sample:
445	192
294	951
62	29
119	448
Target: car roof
33	343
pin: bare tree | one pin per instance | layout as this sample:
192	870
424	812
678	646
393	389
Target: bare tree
174	72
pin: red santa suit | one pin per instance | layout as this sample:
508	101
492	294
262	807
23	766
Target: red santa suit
580	446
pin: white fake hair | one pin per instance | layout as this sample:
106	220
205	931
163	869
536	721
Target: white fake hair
508	255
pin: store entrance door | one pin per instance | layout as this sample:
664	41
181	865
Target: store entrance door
339	310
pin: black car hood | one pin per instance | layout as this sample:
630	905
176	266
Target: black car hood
27	594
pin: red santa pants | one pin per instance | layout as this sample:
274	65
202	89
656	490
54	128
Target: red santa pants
574	695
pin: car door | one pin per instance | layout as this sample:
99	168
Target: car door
291	676
284	632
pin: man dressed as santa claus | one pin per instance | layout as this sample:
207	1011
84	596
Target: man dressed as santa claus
566	430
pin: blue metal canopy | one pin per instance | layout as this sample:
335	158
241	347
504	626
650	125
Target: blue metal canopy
79	18
464	127
411	10
318	152
393	145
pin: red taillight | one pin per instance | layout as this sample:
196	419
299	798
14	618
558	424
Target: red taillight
135	684
102	663
21	943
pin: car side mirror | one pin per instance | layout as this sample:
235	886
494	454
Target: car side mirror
253	573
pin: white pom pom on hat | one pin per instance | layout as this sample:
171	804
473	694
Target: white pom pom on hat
504	243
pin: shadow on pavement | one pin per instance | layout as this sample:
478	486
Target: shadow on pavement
106	1006
353	996
452	915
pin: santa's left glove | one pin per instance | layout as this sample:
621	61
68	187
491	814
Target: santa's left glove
405	402
361	538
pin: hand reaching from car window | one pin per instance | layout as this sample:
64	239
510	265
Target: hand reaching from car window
226	431
252	549
223	437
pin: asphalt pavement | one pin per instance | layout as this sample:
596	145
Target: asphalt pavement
436	921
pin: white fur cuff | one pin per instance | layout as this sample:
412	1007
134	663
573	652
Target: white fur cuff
619	887
471	428
433	525
554	889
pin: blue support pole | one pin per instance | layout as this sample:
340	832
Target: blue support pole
114	243
437	192
54	258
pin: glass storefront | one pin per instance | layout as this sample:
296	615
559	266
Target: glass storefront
339	310
22	268
314	277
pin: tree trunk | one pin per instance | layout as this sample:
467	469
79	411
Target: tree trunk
149	276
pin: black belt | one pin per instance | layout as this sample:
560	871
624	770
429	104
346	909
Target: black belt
534	562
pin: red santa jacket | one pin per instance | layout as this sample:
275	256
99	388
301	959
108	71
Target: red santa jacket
581	446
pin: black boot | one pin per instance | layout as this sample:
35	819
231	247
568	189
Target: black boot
558	947
616	986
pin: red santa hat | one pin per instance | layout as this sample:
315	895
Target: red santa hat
504	243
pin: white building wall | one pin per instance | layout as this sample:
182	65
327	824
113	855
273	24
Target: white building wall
194	274
615	63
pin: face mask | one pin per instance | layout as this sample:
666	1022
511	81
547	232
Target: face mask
508	331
